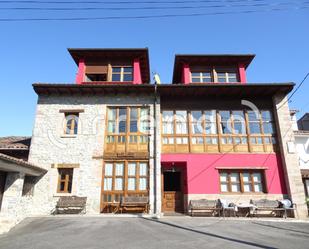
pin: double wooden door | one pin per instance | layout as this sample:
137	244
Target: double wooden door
2	185
172	194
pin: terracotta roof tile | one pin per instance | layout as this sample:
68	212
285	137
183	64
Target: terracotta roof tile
15	142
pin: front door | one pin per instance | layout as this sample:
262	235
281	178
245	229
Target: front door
2	185
172	192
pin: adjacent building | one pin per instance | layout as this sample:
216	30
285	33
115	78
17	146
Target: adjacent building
209	134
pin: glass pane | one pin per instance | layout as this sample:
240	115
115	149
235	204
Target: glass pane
167	116
253	140
247	187
133	126
234	177
127	77
196	116
253	116
108	169
206	74
181	116
246	177
119	184
111	113
267	140
165	140
224	187
143	184
195	74
237	140
225	115
62	186
111	127
259	140
239	128
197	128
196	80
222	80
233	79
185	140
131	184
268	128
257	177
116	77
128	69
143	169
266	115
254	128
221	75
223	177
211	128
226	127
108	183
244	140
235	187
131	169
258	187
116	69
119	169
122	120
181	128
170	140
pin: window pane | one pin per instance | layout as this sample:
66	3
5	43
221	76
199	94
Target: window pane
266	116
247	187
257	177
196	116
116	69
167	116
143	184
225	115
221	75
223	177
108	169
108	183
224	187
119	184
127	77
196	80
246	177
131	184
111	114
181	128
143	169
258	187
239	128
195	74
234	177
226	127
119	169
131	169
122	120
222	80
111	126
168	128
116	77
268	128
128	69
254	128
253	116
235	187
181	116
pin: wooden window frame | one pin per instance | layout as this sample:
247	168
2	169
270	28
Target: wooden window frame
121	73
71	123
116	194
240	173
67	172
235	142
214	71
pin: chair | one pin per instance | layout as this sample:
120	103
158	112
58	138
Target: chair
286	204
226	206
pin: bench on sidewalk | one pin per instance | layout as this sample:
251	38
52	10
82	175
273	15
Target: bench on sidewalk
70	205
265	205
203	206
134	204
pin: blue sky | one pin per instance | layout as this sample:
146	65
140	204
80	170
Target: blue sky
37	51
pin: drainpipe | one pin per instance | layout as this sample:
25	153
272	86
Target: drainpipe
155	148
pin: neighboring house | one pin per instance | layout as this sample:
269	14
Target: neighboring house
209	134
17	147
303	122
302	148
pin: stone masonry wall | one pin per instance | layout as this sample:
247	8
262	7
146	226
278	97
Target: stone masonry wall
49	146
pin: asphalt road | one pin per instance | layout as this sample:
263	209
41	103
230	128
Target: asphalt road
170	232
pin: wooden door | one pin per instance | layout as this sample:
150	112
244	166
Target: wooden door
172	196
2	185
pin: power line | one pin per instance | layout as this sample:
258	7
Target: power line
128	2
146	16
149	7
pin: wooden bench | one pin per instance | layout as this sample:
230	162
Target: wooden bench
204	205
71	205
134	203
265	205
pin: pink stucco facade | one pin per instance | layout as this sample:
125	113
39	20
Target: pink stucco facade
201	171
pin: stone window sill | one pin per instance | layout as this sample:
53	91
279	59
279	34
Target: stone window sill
62	194
68	136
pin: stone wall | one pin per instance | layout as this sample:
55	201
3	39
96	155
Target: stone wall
288	153
49	146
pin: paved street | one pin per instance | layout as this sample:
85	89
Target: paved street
169	232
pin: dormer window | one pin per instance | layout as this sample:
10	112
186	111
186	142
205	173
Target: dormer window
220	75
227	76
201	77
121	74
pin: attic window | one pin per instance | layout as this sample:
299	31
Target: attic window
121	74
96	77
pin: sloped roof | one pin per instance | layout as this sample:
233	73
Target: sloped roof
8	163
15	142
